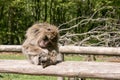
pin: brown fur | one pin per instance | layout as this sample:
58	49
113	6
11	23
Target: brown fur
41	44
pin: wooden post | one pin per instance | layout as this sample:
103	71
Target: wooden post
61	78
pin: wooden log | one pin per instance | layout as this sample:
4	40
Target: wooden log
10	48
113	51
102	70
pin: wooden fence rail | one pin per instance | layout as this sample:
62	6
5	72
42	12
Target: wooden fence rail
113	51
102	70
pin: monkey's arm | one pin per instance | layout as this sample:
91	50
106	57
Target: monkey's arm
34	53
33	50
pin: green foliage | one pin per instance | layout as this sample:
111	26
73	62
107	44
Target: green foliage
17	15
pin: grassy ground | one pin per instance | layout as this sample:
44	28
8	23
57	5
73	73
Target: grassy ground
20	56
5	76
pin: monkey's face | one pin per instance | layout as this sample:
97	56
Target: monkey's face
48	36
44	42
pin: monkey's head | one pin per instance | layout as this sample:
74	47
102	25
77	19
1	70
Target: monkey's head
43	35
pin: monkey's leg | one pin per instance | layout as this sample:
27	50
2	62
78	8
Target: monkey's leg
29	58
36	60
33	59
39	59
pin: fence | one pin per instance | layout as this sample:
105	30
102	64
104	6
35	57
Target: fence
82	69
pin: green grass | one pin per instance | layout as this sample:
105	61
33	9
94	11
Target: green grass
74	58
12	56
21	56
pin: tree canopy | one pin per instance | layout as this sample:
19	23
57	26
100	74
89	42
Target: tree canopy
81	22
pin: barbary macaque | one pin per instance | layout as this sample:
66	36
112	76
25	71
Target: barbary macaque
41	44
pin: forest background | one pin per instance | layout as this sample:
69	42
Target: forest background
81	22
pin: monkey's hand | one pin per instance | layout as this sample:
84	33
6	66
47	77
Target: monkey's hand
33	50
55	57
52	58
44	57
40	57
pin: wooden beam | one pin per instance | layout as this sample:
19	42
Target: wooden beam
102	70
10	48
113	51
